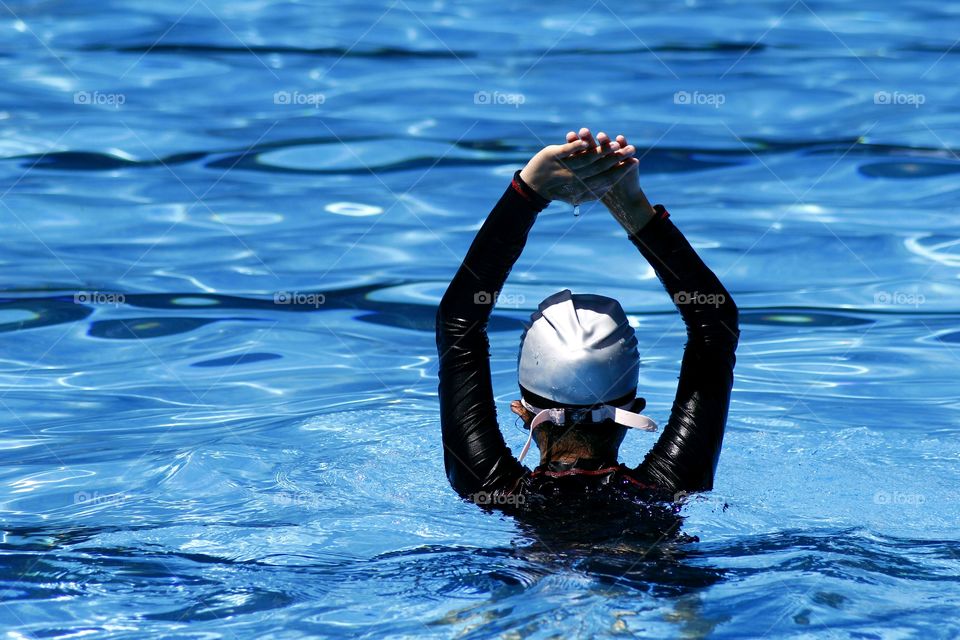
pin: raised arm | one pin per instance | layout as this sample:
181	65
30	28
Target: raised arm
685	456
475	454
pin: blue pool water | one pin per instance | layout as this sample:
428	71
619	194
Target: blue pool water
226	226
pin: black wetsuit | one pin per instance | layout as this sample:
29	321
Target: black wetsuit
478	462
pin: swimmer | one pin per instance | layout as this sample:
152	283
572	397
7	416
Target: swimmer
578	363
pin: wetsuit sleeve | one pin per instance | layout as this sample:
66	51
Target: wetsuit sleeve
685	456
476	456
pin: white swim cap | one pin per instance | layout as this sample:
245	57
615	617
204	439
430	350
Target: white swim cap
579	362
578	350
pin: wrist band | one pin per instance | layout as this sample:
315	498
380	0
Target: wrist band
527	192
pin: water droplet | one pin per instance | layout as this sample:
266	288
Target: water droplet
576	211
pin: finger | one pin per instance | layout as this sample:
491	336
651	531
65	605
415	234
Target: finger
578	162
586	159
603	140
589	153
622	139
572	136
587	137
571	148
613	158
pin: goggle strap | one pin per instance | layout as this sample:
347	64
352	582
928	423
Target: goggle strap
526	447
630	419
559	416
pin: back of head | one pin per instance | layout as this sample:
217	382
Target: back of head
578	350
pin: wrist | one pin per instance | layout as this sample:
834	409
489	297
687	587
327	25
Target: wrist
633	213
529	180
639	227
522	185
